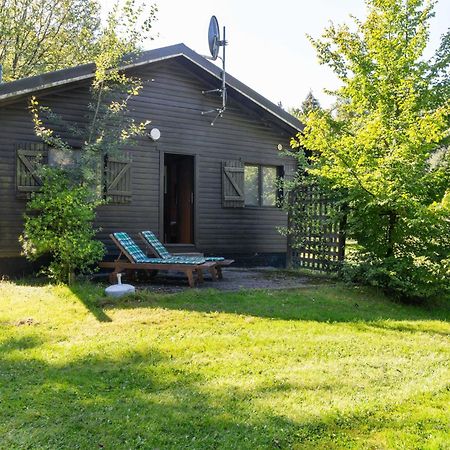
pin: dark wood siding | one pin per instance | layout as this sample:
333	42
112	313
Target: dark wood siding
172	100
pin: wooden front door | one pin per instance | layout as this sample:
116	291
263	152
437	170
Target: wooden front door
178	199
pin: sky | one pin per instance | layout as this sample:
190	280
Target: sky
268	49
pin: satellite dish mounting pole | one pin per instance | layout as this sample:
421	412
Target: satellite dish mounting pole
215	43
224	86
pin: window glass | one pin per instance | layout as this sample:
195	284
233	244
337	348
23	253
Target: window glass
269	186
251	185
63	158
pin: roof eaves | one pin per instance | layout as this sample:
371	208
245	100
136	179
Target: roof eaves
86	71
78	73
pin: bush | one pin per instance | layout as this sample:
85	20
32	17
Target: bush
58	223
408	277
419	267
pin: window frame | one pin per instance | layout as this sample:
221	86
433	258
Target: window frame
279	194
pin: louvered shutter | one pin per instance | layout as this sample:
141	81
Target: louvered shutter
233	184
29	156
118	180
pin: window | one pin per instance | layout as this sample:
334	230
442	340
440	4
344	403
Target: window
64	159
269	192
251	185
260	185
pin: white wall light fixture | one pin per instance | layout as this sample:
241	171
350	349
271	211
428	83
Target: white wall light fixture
154	134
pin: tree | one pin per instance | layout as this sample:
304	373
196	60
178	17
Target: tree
107	128
59	218
37	36
392	114
309	104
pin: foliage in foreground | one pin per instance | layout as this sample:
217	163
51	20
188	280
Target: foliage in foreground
383	147
58	224
39	36
326	367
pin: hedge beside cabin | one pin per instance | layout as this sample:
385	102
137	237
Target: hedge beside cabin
199	187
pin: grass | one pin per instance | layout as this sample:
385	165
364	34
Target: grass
324	367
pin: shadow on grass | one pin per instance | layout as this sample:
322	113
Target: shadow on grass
409	327
149	399
140	401
21	343
89	294
325	303
319	304
328	304
155	399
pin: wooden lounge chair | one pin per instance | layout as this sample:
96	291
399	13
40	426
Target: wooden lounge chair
161	251
136	259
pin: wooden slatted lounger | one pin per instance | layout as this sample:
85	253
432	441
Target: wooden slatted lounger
154	244
137	260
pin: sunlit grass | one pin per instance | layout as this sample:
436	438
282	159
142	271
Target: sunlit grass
324	367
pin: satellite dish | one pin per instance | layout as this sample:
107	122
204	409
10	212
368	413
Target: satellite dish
214	45
214	37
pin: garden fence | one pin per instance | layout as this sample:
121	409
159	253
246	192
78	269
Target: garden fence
317	229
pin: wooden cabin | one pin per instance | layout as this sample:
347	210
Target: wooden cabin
198	187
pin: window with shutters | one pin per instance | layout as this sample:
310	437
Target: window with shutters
31	155
261	185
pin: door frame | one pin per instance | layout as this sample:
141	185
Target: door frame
195	157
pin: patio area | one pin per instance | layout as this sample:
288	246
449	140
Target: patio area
234	279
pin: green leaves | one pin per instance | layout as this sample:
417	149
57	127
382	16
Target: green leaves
43	35
59	223
38	36
380	141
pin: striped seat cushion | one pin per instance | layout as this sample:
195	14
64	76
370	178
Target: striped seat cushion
156	244
140	257
188	258
162	251
183	260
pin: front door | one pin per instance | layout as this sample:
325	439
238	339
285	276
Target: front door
178	199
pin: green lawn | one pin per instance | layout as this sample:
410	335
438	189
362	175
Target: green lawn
325	367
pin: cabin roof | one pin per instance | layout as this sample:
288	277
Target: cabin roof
48	80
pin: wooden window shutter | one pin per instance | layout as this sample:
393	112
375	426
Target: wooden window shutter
290	170
118	180
29	155
233	184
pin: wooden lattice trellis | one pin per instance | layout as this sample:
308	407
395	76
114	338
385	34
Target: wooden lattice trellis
317	229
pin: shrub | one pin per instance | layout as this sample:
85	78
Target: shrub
58	223
419	267
407	278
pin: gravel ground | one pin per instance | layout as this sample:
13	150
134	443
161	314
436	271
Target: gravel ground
234	279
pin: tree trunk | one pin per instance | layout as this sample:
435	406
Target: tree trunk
70	276
390	233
